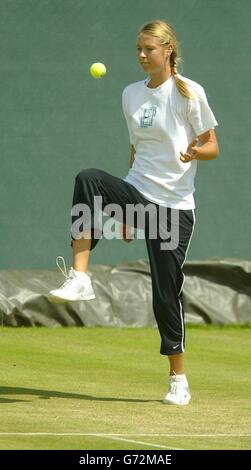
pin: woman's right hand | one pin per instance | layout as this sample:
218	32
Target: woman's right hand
126	233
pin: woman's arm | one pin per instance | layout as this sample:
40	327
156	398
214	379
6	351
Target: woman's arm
132	156
208	150
124	230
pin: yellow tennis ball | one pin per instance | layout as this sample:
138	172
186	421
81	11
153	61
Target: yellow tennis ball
97	70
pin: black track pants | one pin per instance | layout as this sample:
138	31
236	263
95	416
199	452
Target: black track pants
165	264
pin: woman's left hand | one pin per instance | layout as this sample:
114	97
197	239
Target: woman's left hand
191	153
126	233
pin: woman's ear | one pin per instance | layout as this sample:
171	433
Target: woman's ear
170	49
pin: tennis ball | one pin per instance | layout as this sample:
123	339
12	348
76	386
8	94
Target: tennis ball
97	70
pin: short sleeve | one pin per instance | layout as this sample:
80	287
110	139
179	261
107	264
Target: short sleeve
126	114
199	113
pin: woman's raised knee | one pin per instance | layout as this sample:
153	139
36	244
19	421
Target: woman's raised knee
87	173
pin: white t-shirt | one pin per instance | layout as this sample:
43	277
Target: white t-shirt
161	124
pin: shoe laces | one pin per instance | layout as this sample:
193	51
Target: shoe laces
68	275
173	386
175	382
63	270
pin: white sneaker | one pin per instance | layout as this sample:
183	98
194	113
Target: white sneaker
76	287
178	392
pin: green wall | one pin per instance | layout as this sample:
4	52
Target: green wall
56	119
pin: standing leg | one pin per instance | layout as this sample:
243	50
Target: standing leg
176	362
167	281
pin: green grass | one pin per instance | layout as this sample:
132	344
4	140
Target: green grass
94	382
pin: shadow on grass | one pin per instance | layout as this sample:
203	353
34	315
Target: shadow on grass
47	394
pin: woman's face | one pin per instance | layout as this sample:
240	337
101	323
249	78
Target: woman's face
153	57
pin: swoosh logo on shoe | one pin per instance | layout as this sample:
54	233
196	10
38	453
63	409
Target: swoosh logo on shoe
175	347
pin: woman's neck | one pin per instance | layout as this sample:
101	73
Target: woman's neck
157	80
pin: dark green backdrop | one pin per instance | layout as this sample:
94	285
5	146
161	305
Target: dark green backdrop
56	119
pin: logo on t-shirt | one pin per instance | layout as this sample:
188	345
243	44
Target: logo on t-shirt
148	114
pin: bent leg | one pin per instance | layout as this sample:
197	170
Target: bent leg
94	190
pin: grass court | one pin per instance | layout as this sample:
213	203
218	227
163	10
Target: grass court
102	388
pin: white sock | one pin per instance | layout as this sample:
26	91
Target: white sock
181	377
80	274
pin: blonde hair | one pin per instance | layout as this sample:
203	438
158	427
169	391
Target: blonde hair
166	35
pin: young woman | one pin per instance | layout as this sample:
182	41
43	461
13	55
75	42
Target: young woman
171	128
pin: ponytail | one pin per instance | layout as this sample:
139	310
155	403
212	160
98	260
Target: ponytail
183	87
